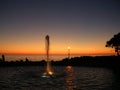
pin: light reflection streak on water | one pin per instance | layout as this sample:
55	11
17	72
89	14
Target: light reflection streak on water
70	79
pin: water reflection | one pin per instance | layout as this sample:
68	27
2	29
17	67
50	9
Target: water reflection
66	78
70	78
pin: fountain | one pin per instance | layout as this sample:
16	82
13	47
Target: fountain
48	71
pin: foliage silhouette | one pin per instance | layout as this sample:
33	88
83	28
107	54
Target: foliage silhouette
114	42
112	62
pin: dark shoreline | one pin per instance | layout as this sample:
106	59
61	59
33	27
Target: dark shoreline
88	61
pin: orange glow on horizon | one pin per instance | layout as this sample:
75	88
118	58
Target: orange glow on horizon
56	49
61	53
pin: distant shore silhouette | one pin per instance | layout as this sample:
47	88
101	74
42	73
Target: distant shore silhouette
89	61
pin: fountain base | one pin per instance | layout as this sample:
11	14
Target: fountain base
48	74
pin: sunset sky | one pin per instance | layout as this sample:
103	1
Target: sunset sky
83	25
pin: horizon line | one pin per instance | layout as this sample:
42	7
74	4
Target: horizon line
59	53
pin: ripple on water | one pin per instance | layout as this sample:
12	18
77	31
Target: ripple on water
72	78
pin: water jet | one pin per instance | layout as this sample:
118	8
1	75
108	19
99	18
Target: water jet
48	72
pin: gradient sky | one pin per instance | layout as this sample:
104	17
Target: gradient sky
84	25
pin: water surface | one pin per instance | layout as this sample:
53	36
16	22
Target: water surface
66	78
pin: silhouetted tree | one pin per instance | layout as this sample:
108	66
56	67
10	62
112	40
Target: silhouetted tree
114	42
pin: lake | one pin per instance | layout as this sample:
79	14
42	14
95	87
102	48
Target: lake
39	57
65	78
34	57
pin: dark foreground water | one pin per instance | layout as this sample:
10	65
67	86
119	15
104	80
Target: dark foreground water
66	78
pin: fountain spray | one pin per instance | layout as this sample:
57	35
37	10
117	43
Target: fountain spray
48	71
